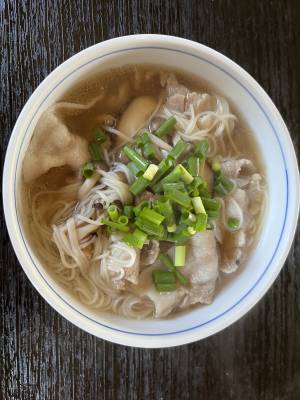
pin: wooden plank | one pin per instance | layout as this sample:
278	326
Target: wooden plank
42	355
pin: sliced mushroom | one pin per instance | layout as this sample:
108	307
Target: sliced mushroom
136	116
150	253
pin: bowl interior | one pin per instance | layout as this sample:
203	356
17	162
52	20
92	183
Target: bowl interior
244	95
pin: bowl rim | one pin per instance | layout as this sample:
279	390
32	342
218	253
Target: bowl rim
126	43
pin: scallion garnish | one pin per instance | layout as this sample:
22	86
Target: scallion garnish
194	166
169	264
166	127
202	149
87	169
99	135
179	259
150	172
188	218
149	151
160	276
164	281
178	149
135	239
128	211
198	205
166	209
223	185
134	169
150	228
181	235
163	168
216	166
135	157
123	220
185	175
233	223
142	139
115	225
138	186
95	152
151	216
211	204
113	212
183	199
173	185
165	287
201	222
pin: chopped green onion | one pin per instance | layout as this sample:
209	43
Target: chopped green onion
95	152
99	135
198	182
87	169
128	211
169	264
211	204
142	139
173	176
113	212
135	239
191	230
172	228
137	209
201	222
173	185
134	156
166	127
136	171
151	216
202	149
138	186
181	236
166	209
123	220
115	225
188	218
179	259
203	192
163	168
178	172
223	185
165	287
212	214
180	198
216	166
166	260
233	223
185	175
182	278
178	149
150	172
160	276
149	151
198	205
194	166
150	228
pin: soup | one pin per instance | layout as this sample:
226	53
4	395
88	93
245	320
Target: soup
142	190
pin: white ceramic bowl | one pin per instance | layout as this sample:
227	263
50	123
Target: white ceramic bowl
281	172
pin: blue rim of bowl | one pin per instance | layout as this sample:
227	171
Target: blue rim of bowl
287	185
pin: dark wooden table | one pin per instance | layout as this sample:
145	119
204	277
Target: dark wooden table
43	356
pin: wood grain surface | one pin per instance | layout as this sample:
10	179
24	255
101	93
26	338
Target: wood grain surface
45	357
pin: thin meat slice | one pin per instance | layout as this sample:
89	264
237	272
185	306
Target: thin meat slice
201	268
53	145
237	168
164	303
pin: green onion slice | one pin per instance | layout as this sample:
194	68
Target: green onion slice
87	169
